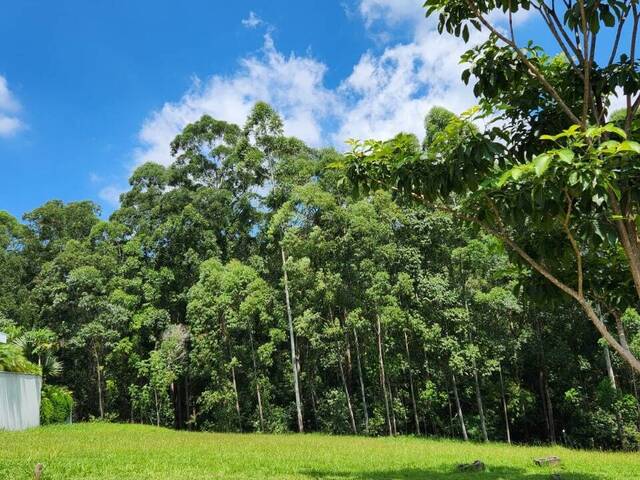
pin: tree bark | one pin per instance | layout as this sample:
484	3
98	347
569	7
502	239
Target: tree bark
347	341
547	406
99	379
256	379
361	379
459	407
476	381
383	379
612	379
352	418
610	373
394	424
623	341
294	358
504	407
411	387
235	391
155	396
552	423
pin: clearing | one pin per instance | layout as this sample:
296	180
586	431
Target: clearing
128	452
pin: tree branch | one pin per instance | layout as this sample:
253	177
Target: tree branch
630	248
532	68
560	28
574	244
543	9
632	60
586	306
616	42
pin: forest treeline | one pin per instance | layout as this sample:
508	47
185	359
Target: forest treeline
480	284
245	288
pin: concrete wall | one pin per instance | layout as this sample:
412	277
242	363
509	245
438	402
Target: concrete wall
19	401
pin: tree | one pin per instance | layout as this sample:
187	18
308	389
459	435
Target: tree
575	197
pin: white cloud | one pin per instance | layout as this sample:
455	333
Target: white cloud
390	11
292	84
111	194
617	101
392	92
9	125
385	93
252	21
9	107
8	103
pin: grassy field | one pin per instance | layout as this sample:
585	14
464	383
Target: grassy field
128	452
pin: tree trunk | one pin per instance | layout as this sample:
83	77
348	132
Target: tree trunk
476	381
411	387
623	341
612	379
394	424
504	406
352	418
256	379
314	404
607	361
552	423
547	406
99	379
361	378
451	429
430	413
294	358
347	343
235	391
632	251
459	407
155	396
628	239
187	401
383	378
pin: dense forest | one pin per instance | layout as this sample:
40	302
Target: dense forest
479	283
244	288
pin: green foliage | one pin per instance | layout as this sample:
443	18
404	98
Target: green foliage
12	360
173	312
56	405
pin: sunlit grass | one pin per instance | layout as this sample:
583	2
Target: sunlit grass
108	451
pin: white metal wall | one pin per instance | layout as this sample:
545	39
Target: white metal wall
19	401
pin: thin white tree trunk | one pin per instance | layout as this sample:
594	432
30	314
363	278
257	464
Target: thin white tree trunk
256	379
459	407
504	406
361	379
99	379
476	381
411	387
235	391
352	417
294	358
383	378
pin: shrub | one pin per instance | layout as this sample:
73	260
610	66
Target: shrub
13	360
56	405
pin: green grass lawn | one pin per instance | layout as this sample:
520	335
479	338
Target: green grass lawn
109	451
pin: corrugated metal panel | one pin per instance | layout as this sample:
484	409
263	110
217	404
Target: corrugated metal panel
19	401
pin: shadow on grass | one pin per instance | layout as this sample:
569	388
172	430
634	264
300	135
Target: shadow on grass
450	473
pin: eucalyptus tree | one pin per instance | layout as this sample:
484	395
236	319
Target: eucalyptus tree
287	162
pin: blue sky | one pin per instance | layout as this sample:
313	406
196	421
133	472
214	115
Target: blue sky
90	89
